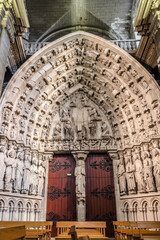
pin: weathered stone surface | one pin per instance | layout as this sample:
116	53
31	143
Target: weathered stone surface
96	98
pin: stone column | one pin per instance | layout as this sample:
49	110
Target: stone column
46	159
114	156
80	180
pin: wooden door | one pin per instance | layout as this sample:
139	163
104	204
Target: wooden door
100	197
61	202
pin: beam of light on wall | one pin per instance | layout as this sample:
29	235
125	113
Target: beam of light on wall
78	13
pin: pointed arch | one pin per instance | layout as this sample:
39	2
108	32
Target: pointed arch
116	99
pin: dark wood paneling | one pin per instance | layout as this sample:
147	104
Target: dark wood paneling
61	202
100	197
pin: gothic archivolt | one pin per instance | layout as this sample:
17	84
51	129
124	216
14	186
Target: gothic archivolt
81	93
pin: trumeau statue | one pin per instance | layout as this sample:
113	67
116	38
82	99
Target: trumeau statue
80	179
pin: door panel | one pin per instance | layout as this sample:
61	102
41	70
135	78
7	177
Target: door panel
100	197
61	202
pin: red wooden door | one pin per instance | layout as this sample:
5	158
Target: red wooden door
61	202
100	197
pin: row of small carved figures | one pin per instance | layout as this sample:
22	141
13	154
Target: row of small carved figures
140	176
21	172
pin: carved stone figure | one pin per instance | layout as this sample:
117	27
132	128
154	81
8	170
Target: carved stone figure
34	175
19	171
138	168
148	170
79	173
6	114
3	166
27	179
80	178
121	176
67	130
80	117
156	162
105	130
130	174
10	168
41	175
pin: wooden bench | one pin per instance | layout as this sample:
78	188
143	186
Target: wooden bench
121	228
13	233
34	230
149	230
95	230
136	230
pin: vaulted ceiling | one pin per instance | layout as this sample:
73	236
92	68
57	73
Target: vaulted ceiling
110	19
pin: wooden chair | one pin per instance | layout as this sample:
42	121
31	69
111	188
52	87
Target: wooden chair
73	234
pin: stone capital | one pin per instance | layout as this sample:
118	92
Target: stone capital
113	155
80	155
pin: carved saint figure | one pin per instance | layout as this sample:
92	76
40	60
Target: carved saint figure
19	171
41	175
156	162
10	168
27	179
80	178
34	175
3	166
148	171
130	175
138	167
121	177
80	118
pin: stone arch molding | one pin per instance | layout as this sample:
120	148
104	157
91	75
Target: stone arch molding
80	93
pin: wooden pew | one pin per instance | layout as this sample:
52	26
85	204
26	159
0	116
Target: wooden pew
94	230
34	230
136	230
13	233
121	228
149	230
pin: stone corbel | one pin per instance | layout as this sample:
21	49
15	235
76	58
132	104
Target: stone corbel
80	155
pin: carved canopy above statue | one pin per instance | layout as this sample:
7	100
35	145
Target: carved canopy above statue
80	92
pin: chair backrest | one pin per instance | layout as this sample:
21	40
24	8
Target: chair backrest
73	233
148	224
